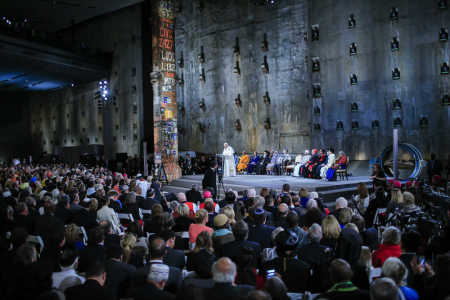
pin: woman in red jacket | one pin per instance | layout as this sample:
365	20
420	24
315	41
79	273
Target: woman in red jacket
390	246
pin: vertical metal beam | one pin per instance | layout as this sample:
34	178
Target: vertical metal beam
164	86
395	152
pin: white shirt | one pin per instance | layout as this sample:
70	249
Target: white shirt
58	277
108	214
144	185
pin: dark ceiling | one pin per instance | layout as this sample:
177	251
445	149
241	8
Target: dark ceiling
30	66
53	15
27	65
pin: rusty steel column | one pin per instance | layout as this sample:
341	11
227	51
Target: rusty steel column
164	87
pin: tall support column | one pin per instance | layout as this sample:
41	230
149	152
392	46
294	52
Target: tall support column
164	87
395	152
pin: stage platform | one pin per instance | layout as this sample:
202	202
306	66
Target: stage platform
328	190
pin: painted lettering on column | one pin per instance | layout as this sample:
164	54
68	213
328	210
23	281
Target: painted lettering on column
167	65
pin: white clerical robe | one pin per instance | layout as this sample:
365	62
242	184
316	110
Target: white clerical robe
229	169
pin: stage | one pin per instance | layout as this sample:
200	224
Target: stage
328	190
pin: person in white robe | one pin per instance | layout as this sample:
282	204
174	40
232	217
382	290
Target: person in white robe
330	163
293	166
303	161
229	168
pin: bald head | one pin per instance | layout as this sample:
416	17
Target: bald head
224	270
283	209
157	248
181	197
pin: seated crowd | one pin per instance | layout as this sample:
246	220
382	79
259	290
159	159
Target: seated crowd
314	165
79	233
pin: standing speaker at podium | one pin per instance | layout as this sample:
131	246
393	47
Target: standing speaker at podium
229	169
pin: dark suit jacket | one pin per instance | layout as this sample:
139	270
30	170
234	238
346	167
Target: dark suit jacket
147	203
209	179
225	291
172	285
118	278
111	240
150	291
26	222
235	248
89	255
261	234
193	196
174	258
91	289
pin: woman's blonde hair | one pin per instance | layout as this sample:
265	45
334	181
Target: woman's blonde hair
183	210
128	243
229	212
365	258
330	227
200	215
93	205
397	196
409	198
72	233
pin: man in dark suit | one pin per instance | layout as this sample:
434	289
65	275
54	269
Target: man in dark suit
23	218
209	179
236	248
148	202
153	288
93	288
118	273
258	231
94	251
157	251
193	195
224	273
173	257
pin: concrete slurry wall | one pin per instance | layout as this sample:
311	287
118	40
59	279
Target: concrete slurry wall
290	78
70	116
419	88
215	28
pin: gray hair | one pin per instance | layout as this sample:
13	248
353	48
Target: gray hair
391	236
341	153
315	232
251	193
182	210
341	202
384	288
311	203
181	197
227	276
352	226
394	268
306	152
260	202
313	195
158	273
131	197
